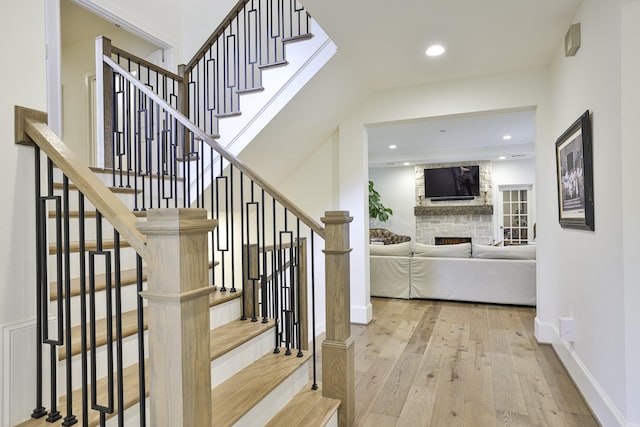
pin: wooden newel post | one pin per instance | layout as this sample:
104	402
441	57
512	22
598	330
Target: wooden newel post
338	380
178	316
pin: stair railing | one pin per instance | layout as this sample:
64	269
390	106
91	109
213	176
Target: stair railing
250	213
251	37
99	400
98	263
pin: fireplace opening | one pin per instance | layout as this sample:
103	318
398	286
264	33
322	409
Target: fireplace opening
452	240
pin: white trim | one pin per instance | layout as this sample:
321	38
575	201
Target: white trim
53	60
596	397
361	315
121	23
18	375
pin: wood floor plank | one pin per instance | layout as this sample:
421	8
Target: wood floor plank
560	383
507	391
307	408
396	388
448	407
503	372
479	405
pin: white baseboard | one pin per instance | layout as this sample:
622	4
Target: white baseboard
18	355
599	402
361	315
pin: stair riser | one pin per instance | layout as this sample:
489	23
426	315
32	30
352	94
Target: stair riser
128	297
127	261
227	365
129	357
90	230
225	313
268	407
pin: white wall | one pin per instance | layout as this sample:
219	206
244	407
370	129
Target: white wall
581	273
315	197
397	188
630	50
78	63
24	83
514	172
199	19
512	90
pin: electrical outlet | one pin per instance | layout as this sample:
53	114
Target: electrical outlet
567	329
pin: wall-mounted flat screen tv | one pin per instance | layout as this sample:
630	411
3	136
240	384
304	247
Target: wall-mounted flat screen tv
452	183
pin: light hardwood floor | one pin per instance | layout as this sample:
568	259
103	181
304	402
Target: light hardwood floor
434	363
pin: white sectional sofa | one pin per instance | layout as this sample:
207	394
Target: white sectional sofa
463	272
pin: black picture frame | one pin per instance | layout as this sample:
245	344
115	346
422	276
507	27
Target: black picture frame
574	165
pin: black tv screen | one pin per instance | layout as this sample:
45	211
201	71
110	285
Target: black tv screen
452	183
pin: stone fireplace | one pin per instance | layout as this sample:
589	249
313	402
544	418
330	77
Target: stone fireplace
470	218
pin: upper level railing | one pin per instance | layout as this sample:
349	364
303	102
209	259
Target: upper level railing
252	36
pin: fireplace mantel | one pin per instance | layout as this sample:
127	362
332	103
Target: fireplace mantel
454	210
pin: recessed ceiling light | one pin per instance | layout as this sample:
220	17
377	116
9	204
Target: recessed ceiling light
502	157
406	163
506	137
435	50
393	147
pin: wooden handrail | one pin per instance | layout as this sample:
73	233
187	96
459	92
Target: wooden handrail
127	55
233	160
33	129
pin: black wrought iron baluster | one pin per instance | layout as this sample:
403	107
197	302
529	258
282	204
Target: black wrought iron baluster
141	354
313	310
265	302
297	265
54	414
41	242
276	280
69	419
83	309
232	239
118	292
109	407
127	132
212	191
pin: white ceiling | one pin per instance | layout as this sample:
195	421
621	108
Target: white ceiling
381	46
453	138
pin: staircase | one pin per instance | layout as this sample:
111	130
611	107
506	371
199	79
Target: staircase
242	285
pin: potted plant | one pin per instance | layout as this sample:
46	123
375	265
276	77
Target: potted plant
377	211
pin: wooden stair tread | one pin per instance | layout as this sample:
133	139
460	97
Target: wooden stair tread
89	246
233	334
117	190
251	385
107	171
127	277
307	408
130	379
130	327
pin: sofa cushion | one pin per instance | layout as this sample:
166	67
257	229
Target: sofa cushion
460	250
399	249
504	252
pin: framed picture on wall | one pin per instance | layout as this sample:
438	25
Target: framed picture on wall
574	164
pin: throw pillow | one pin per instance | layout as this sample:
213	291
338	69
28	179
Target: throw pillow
399	249
504	252
460	250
